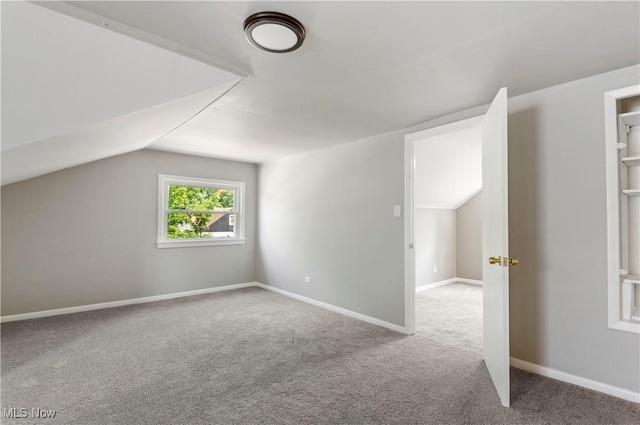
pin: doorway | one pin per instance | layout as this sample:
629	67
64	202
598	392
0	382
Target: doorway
495	236
447	234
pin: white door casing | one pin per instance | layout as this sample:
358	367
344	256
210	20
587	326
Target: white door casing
495	237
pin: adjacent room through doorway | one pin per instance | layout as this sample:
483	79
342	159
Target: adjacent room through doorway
447	217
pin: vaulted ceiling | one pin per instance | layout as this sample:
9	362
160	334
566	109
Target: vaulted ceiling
448	166
365	68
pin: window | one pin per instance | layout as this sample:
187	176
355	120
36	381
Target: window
199	212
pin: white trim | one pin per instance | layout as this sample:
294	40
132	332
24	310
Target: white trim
100	306
621	325
471	281
426	207
111	304
182	243
446	282
334	308
613	223
165	180
409	252
576	380
613	208
409	206
435	284
172	46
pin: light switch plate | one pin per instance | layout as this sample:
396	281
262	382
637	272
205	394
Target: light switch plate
397	210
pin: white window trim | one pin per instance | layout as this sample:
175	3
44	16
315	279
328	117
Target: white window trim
613	210
164	180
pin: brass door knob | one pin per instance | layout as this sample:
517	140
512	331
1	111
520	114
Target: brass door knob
503	261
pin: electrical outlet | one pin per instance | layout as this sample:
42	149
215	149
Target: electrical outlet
435	269
307	279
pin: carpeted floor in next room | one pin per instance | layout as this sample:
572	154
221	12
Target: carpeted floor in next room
451	315
254	357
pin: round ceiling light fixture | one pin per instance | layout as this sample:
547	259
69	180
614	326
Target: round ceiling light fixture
274	32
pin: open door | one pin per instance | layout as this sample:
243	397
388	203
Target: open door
495	244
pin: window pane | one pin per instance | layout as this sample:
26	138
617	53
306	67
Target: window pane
200	198
199	225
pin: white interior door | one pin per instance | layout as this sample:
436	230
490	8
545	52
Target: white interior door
495	244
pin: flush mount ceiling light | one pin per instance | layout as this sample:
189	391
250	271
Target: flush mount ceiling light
274	32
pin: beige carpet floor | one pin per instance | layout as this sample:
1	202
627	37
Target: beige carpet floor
254	357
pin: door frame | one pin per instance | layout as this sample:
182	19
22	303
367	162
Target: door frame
409	209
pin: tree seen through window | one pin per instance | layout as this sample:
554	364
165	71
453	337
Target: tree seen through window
191	224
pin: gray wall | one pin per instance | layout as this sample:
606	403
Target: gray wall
435	245
358	265
87	234
469	239
329	215
557	229
557	222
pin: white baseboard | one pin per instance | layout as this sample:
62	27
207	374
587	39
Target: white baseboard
434	285
335	309
446	282
517	363
471	281
576	380
99	306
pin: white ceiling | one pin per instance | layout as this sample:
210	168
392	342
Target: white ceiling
369	67
117	136
448	167
73	92
64	74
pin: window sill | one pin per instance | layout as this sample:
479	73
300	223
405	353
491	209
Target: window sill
626	326
202	242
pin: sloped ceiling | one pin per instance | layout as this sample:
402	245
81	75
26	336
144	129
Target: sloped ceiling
368	67
73	92
127	133
448	167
